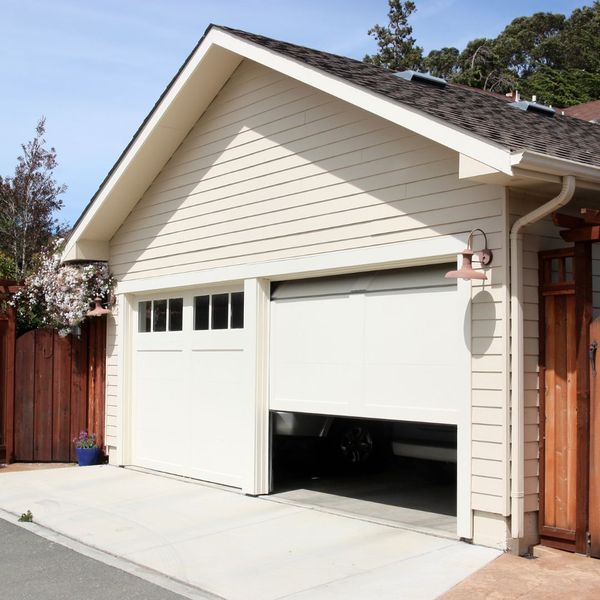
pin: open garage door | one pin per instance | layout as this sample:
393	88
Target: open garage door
387	345
188	385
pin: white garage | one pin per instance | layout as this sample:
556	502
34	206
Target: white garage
188	387
383	344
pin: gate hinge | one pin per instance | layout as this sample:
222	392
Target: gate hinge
588	543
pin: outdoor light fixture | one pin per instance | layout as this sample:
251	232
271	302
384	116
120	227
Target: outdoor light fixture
467	271
98	310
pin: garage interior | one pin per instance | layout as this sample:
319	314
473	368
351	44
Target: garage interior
406	475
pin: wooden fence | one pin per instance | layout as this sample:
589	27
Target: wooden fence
59	390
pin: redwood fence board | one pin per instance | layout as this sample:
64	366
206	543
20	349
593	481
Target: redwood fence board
24	396
43	401
78	412
61	392
7	381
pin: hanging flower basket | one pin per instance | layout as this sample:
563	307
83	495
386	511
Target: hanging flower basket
59	295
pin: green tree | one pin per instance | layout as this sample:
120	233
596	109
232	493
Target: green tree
581	39
479	66
557	87
397	48
29	201
530	43
442	63
551	56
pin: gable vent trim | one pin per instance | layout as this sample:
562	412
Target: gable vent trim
422	78
533	107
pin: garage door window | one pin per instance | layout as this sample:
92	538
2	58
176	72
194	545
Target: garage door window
219	311
160	315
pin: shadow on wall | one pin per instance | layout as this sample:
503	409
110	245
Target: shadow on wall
483	318
280	169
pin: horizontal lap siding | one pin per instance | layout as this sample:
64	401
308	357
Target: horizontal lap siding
112	399
275	169
488	379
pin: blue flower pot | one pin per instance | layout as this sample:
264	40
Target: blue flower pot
88	456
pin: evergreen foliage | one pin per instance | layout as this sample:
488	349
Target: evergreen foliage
549	55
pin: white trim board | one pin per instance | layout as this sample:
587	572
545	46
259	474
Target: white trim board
418	252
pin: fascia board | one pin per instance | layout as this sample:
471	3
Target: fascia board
433	128
527	160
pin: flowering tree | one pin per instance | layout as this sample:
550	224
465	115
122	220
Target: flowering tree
59	296
29	202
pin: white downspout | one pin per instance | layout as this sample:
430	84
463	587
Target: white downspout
517	354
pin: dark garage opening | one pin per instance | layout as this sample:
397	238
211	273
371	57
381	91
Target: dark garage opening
396	471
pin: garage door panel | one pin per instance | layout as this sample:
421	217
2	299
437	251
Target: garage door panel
317	384
161	385
411	339
189	401
410	386
333	317
380	352
411	327
306	371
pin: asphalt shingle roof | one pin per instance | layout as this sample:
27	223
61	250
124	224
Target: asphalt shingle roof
484	115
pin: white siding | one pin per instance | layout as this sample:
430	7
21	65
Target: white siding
489	388
112	399
275	170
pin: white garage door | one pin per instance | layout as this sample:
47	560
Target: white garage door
188	363
381	345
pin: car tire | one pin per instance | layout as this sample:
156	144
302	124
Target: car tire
356	444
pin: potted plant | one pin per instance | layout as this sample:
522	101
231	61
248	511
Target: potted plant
86	448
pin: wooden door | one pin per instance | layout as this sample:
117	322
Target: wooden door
558	399
594	496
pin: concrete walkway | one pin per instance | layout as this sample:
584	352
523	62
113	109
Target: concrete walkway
236	547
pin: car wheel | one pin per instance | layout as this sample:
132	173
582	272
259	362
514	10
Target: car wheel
354	444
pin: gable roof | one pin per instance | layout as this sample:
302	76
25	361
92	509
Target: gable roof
485	115
483	128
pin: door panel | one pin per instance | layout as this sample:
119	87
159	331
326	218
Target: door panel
387	345
188	411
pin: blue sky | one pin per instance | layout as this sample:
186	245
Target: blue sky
95	68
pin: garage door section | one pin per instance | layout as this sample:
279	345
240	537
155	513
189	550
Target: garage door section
386	344
188	362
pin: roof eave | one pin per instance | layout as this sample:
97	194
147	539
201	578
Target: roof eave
524	162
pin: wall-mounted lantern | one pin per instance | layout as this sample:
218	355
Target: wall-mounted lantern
467	272
98	310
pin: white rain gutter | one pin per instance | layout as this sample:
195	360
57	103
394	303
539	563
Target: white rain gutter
517	353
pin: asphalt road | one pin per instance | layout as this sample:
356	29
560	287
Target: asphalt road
34	568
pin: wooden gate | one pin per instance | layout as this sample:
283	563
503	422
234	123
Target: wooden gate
558	400
59	390
569	494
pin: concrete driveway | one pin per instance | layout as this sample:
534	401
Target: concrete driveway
237	547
